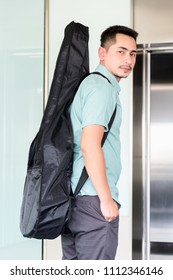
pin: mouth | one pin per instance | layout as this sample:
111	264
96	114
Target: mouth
126	68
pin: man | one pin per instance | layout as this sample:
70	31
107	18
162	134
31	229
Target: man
92	233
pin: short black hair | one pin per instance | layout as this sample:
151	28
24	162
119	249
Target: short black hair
110	33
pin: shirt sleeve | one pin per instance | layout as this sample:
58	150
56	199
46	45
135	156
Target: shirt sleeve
98	105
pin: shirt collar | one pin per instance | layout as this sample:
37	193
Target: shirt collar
103	70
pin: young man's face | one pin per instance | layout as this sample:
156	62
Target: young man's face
119	58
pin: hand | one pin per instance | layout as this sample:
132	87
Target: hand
109	209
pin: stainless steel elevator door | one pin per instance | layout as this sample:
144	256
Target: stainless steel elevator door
161	153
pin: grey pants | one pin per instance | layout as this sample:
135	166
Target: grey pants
88	235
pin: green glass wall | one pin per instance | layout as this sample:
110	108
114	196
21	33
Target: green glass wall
21	109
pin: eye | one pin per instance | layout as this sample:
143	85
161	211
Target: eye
133	54
121	52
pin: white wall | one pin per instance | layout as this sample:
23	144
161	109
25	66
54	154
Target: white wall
98	15
153	19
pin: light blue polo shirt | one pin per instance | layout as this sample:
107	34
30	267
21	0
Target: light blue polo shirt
94	103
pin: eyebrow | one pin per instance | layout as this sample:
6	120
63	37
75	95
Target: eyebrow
123	48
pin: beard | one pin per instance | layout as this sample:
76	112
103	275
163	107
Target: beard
125	74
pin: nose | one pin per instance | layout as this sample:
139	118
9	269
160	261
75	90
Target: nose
128	59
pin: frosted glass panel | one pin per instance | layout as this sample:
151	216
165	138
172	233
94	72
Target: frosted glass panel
21	109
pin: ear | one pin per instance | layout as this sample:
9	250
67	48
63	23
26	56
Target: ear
101	53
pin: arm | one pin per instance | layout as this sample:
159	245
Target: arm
95	165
